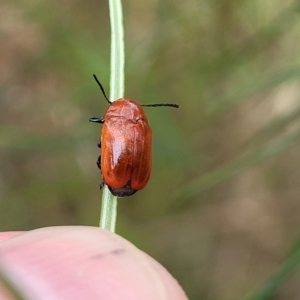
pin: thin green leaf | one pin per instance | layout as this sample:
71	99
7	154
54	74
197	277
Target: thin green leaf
287	269
243	162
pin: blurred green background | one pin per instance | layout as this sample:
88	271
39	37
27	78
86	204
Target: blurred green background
221	210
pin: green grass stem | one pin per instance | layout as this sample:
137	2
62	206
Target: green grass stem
108	214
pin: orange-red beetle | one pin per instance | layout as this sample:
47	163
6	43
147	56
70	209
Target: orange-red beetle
126	146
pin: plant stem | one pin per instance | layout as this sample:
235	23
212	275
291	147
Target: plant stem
108	214
117	57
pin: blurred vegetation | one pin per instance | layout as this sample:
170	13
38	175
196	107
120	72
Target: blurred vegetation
221	211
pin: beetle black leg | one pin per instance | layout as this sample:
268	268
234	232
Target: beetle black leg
99	144
97	119
98	163
102	185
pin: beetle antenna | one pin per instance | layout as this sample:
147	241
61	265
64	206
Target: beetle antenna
161	104
101	87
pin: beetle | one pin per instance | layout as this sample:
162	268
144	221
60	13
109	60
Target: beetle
126	145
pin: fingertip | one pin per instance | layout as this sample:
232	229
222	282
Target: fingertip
79	262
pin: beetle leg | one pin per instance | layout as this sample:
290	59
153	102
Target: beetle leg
98	163
99	166
97	119
99	144
102	185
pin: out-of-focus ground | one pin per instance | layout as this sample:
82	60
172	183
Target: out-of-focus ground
221	210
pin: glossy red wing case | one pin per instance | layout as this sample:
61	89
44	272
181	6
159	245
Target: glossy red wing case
126	152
